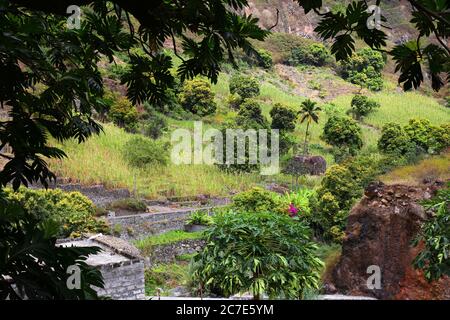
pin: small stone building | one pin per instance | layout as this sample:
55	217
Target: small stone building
120	263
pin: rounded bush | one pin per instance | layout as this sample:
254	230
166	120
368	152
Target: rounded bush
315	54
361	106
250	116
246	87
263	254
283	118
140	152
196	97
393	139
71	212
124	114
343	132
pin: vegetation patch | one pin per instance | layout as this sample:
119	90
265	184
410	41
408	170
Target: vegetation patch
164	277
128	204
146	244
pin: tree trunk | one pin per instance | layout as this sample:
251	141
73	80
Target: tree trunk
306	139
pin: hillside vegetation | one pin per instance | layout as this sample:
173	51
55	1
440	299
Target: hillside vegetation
101	159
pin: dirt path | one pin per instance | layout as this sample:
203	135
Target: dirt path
330	84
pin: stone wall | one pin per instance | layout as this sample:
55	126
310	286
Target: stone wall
123	282
168	253
98	194
138	226
120	263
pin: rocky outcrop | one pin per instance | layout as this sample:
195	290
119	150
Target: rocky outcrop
310	165
379	232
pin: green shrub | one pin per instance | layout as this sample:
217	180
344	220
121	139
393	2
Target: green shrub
200	218
124	114
364	68
244	86
72	212
257	200
300	200
394	140
337	193
130	204
153	125
263	254
361	106
315	54
140	152
283	118
165	277
32	266
250	116
266	59
196	97
431	138
343	132
234	101
116	71
287	141
435	237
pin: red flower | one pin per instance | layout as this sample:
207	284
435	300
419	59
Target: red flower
293	211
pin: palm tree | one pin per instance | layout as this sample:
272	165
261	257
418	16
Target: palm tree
309	112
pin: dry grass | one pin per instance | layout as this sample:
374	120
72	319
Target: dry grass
100	161
437	167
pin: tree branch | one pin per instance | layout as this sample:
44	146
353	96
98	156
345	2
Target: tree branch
276	23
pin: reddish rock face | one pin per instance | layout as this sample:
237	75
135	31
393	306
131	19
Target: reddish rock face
379	232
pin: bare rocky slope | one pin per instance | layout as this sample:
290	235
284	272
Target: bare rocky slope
293	20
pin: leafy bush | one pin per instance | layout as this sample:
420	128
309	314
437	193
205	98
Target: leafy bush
435	235
200	218
262	58
71	212
343	132
196	97
257	200
234	101
361	106
394	140
140	152
153	125
32	267
427	136
263	254
250	116
315	54
364	68
340	188
116	71
266	59
165	277
131	204
244	86
283	118
124	114
300	200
